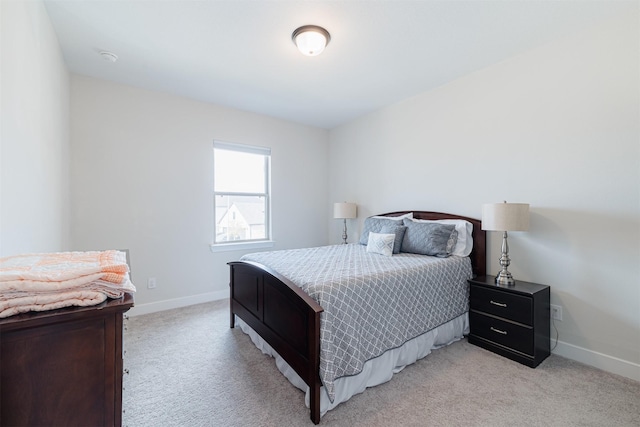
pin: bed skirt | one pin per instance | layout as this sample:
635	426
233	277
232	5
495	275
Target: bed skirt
375	371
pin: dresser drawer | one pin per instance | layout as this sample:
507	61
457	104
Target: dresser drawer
512	335
503	304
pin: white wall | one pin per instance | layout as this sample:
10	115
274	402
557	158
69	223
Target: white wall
142	171
557	127
34	136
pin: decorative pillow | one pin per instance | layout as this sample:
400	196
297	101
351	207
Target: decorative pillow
428	238
464	244
381	243
375	224
396	218
398	230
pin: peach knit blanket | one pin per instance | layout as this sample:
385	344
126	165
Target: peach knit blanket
39	282
60	270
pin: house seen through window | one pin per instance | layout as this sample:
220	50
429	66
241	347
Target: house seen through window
241	193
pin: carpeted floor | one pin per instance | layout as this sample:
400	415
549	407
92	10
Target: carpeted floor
188	368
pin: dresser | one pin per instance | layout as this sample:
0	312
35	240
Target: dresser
63	367
511	321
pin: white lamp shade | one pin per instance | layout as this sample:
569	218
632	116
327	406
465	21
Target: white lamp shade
311	39
344	210
505	217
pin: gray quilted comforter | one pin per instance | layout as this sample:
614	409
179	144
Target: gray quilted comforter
372	303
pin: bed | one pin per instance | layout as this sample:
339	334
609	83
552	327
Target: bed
286	322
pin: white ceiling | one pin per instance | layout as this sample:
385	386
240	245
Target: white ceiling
239	53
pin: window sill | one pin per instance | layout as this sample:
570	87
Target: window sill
227	247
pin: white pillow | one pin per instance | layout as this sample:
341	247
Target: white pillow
464	245
381	243
396	218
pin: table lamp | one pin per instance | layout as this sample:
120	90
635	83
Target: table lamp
505	217
344	211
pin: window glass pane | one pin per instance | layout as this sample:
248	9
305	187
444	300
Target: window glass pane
240	218
238	172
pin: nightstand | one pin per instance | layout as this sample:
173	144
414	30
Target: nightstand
510	321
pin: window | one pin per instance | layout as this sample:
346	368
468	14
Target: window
241	203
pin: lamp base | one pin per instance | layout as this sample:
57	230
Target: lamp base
504	278
344	232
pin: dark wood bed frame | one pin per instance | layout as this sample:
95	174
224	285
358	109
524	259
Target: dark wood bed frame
289	320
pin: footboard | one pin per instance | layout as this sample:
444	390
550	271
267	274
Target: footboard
284	316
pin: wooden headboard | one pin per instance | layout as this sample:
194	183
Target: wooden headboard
479	252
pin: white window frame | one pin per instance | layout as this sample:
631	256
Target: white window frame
253	243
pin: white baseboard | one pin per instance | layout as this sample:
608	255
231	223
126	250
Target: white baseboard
154	307
598	360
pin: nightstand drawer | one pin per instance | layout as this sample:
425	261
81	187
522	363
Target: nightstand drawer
508	334
500	303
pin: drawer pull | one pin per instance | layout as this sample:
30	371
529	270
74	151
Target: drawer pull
499	304
498	331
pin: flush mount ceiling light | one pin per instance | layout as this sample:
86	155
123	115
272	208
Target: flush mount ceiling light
109	56
311	39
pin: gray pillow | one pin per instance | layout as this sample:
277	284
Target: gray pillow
398	230
375	225
429	238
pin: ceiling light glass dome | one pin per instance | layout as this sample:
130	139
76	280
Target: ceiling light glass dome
311	39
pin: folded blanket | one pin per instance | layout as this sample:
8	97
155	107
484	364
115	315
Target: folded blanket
111	290
61	270
40	282
44	302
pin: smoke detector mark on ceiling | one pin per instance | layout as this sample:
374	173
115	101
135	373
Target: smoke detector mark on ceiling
109	56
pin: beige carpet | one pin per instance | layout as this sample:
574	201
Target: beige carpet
188	368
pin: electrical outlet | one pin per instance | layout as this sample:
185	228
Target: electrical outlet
151	283
556	312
